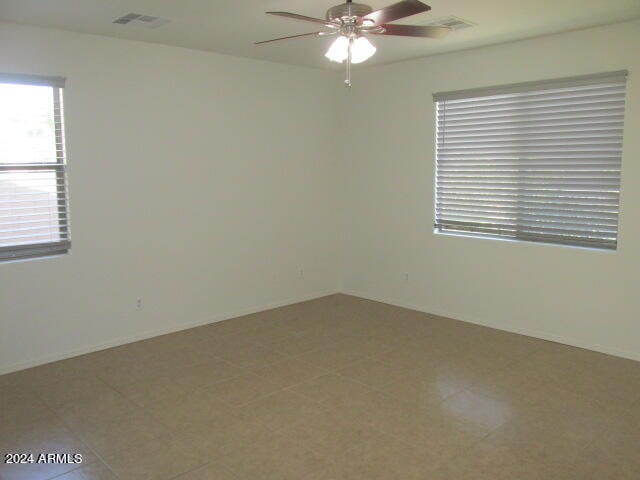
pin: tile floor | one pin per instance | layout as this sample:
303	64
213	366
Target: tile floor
338	388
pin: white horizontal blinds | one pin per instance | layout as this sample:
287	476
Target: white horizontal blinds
538	162
34	217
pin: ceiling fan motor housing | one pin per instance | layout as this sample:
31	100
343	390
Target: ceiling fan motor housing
348	9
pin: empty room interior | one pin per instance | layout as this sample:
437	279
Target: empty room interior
310	240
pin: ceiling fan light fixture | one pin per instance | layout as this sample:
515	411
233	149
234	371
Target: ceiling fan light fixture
361	49
339	50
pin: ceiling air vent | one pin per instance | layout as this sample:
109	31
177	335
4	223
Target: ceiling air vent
139	20
454	23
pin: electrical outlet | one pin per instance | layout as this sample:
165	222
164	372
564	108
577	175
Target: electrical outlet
406	277
139	304
301	273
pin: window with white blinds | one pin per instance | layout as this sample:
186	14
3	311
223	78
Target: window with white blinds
34	216
537	161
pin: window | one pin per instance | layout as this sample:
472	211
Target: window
34	218
538	161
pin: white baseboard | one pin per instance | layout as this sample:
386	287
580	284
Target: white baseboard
500	326
161	331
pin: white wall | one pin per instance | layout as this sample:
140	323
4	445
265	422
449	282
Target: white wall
577	296
201	183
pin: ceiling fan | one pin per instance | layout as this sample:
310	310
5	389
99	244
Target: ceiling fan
352	22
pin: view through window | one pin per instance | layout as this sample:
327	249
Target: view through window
34	219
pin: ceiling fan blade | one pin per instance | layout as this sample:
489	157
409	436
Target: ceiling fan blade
288	38
295	16
422	31
397	11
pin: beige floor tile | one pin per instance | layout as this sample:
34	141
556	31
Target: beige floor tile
331	332
547	437
281	409
268	335
379	458
158	389
57	394
609	458
162	458
538	396
49	374
365	345
299	321
222	435
382	339
432	431
559	362
329	433
477	412
486	359
184	357
26	433
289	372
35	471
88	407
113	433
208	373
187	410
607	388
464	332
94	471
370	372
272	457
211	471
412	357
332	389
429	384
46	439
557	375
251	356
334	471
145	351
488	462
20	408
333	357
112	358
616	367
216	344
508	384
121	376
301	344
511	345
239	390
180	381
22	430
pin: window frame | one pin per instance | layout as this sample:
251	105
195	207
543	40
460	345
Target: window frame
63	246
544	238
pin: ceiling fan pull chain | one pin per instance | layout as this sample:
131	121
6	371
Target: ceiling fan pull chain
347	82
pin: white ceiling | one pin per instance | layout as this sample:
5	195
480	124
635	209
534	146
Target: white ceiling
231	26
